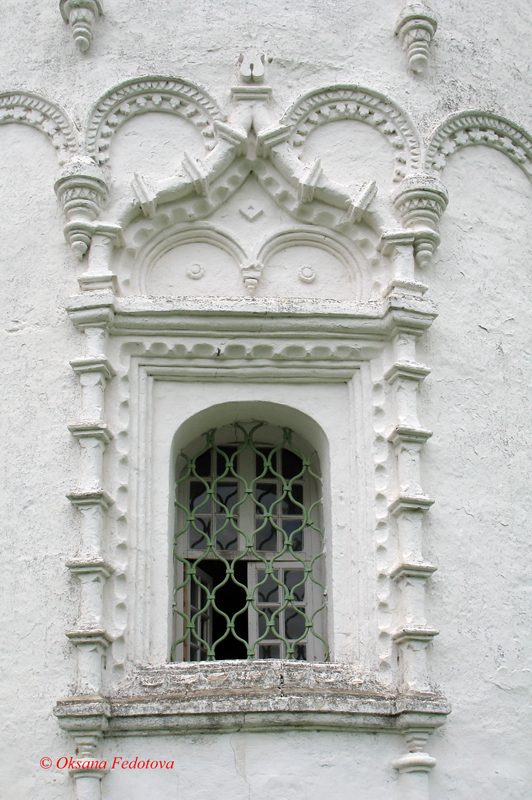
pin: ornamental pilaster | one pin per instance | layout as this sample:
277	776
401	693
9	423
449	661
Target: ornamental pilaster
89	566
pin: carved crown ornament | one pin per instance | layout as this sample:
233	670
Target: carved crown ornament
233	143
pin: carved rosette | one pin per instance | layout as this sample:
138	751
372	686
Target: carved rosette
81	15
416	27
421	200
82	190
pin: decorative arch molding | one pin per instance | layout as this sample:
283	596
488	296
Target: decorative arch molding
142	95
345	101
27	108
322	239
166	241
222	185
468	128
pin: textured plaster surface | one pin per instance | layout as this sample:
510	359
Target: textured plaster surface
477	400
478	468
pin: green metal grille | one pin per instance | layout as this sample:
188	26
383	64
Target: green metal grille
249	551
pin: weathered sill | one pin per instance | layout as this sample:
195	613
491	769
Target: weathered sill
250	696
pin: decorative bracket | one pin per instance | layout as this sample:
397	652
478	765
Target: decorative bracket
416	27
81	14
308	181
421	200
361	201
196	172
251	273
82	190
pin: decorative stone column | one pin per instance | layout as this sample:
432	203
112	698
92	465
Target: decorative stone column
414	765
412	634
81	14
421	200
89	636
86	720
408	437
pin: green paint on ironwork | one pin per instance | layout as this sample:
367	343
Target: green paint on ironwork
192	523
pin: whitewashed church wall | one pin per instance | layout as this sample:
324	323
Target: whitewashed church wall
476	466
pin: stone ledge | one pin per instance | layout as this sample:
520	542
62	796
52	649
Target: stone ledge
253	696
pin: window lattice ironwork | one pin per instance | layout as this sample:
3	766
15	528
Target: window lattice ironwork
249	551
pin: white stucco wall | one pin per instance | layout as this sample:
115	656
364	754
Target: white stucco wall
477	466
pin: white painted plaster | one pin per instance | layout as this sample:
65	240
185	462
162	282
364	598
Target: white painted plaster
476	466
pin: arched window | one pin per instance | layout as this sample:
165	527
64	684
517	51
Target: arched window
249	548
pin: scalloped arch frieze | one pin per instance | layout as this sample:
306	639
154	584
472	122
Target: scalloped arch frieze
27	108
468	128
343	101
142	95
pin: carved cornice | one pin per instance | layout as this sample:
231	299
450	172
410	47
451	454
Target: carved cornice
31	109
98	497
141	95
412	570
407	370
414	634
97	566
83	714
102	365
260	318
406	502
81	14
467	128
88	430
345	101
406	434
89	636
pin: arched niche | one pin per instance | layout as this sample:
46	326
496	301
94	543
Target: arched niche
275	414
351	153
308	263
190	261
152	144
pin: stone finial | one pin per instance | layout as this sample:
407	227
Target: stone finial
251	274
81	14
82	189
416	27
421	200
251	67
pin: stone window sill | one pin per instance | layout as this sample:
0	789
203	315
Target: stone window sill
250	696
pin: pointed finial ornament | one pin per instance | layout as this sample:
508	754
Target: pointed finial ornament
81	15
416	27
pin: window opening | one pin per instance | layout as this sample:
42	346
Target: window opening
249	550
